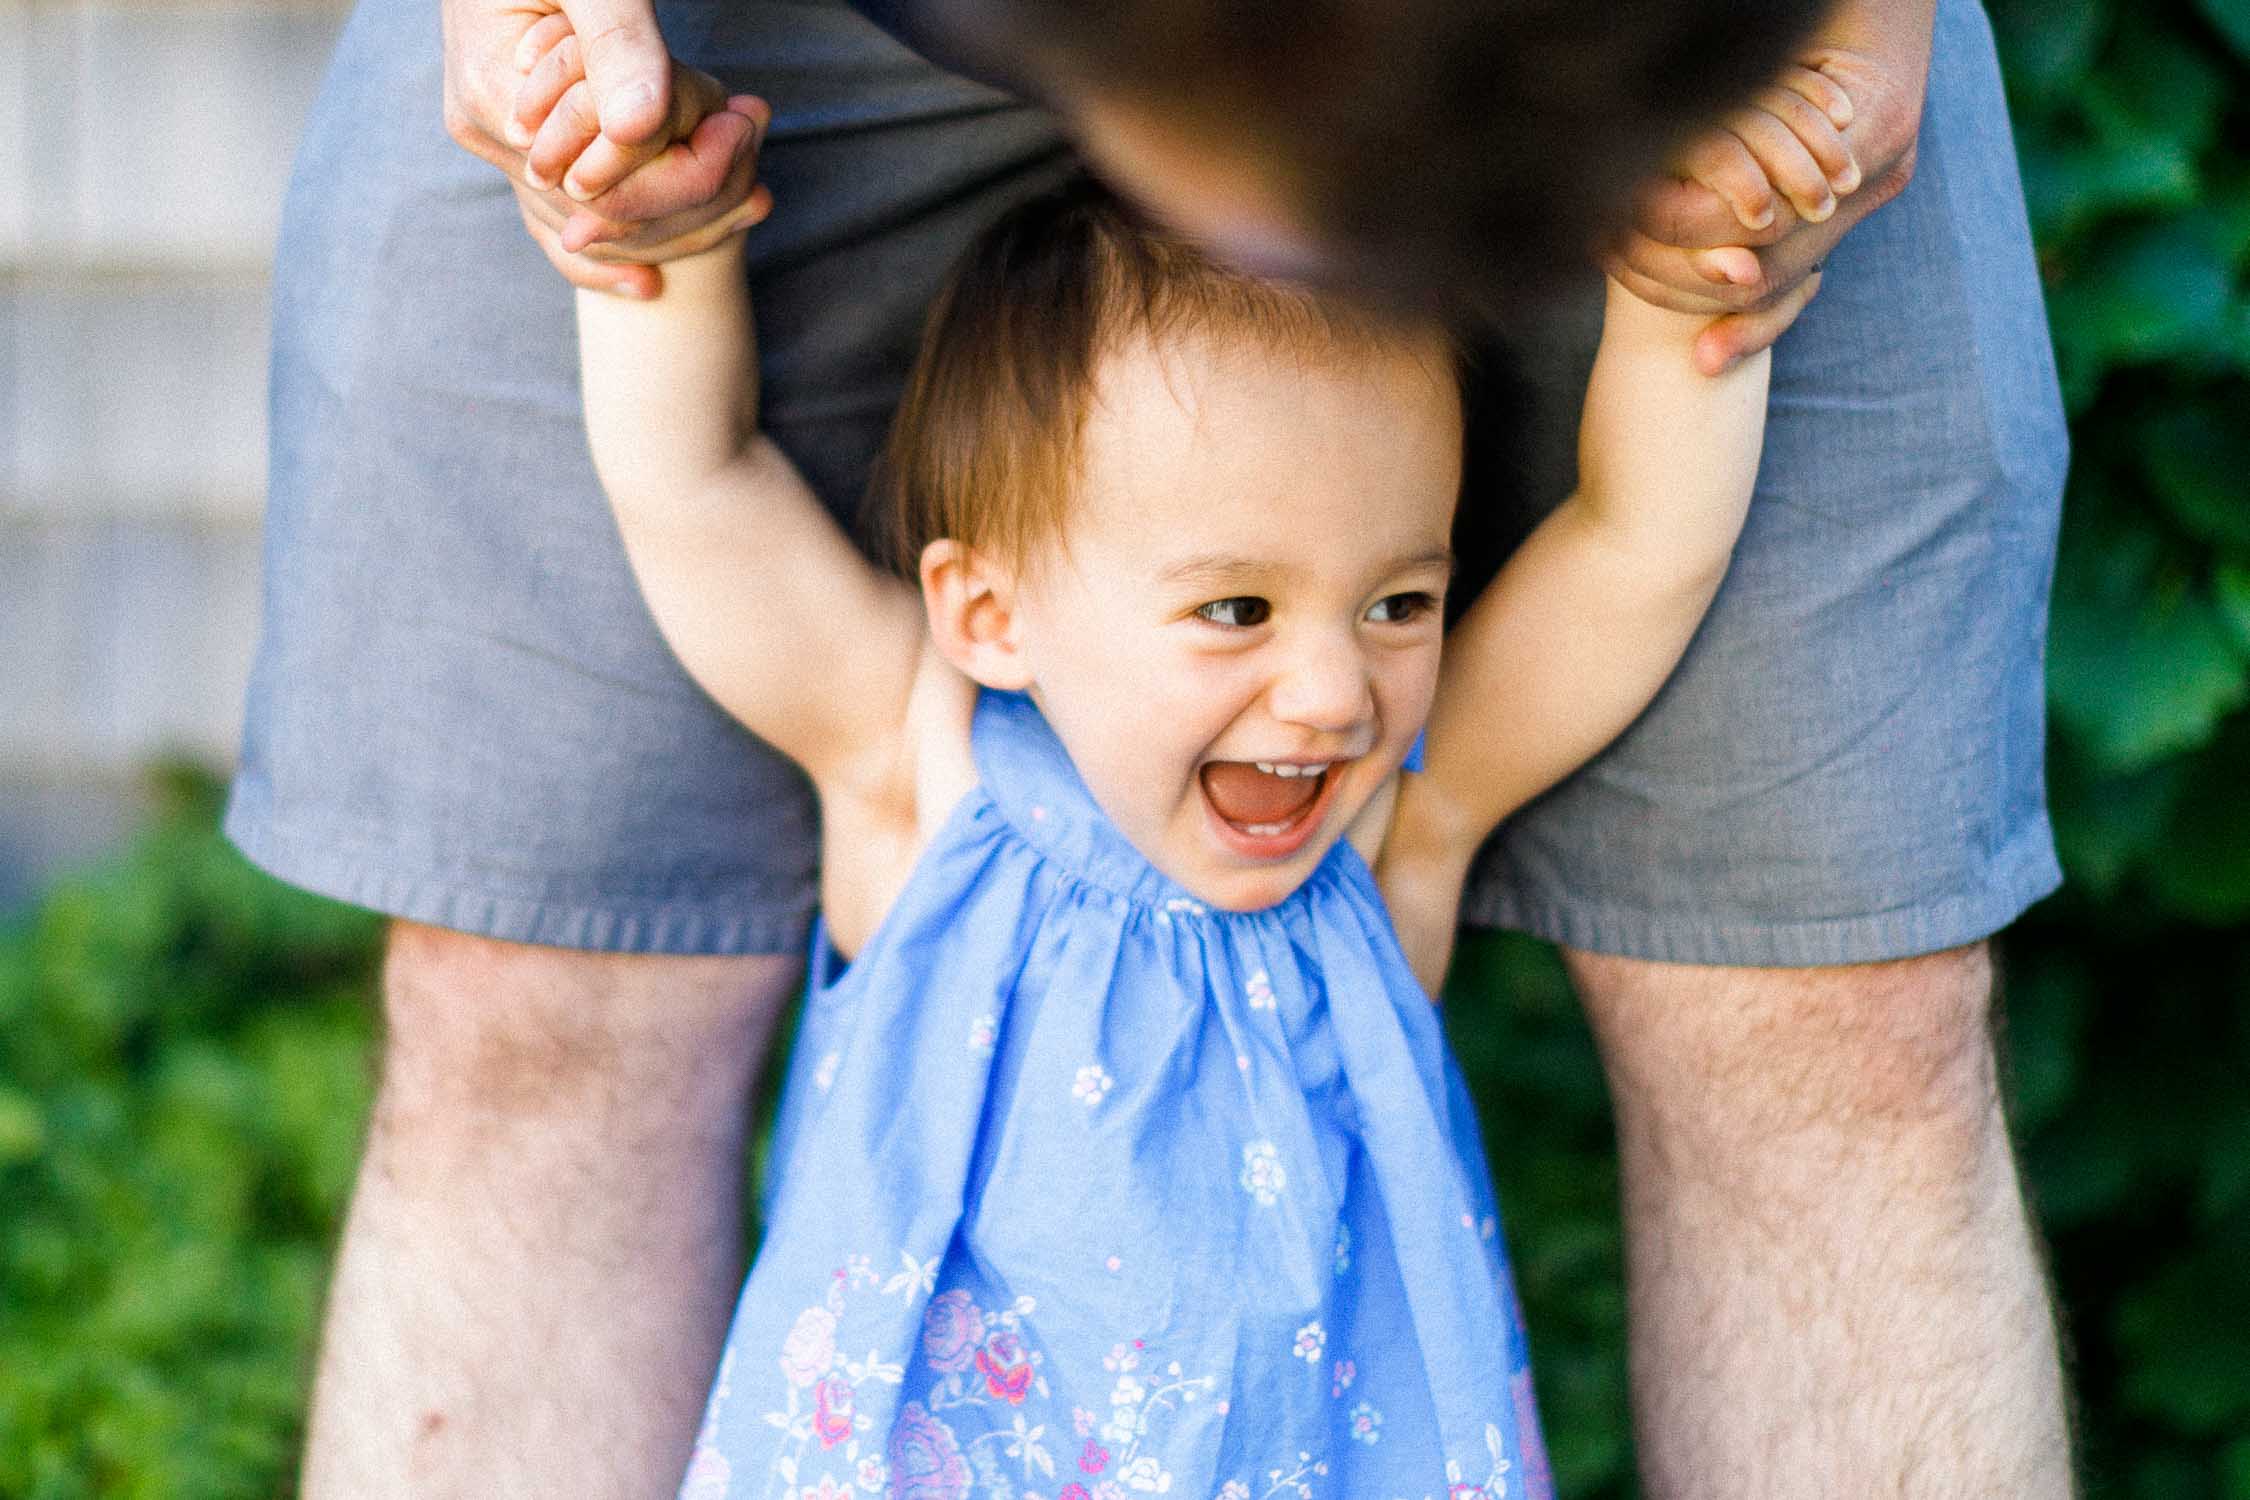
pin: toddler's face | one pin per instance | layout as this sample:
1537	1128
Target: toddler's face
1237	634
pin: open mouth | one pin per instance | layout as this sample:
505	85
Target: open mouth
1266	809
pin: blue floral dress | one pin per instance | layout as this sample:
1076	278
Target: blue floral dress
1084	1191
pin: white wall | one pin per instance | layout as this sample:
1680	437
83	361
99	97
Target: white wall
143	152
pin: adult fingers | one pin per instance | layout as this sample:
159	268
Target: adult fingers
1729	277
618	278
568	130
540	38
1688	214
1785	162
696	96
543	86
626	64
1660	294
705	175
1738	336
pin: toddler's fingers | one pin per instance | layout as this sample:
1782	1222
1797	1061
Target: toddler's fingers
1817	133
564	136
1786	163
693	173
1821	91
1721	162
695	95
542	88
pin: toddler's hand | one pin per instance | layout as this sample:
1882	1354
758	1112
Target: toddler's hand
1691	248
553	120
1788	145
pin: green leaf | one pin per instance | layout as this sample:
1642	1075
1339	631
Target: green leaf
2147	293
2136	685
2234	1471
2106	828
2046	45
2068	187
2203	872
2155	90
2197	458
2186	1336
2045	1015
2226	1167
2230	588
2232	18
22	1131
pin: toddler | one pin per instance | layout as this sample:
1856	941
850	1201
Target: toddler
1121	1153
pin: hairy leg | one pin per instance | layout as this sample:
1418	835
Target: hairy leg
1834	1288
544	1242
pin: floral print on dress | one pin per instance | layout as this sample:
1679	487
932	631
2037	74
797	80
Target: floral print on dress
1263	1177
1092	1085
981	1429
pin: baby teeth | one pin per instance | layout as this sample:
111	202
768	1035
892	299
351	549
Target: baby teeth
1264	830
1285	770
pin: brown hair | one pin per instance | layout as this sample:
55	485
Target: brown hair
985	446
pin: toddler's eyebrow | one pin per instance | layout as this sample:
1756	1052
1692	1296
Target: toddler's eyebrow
1223	569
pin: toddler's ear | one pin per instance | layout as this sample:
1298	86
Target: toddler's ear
971	601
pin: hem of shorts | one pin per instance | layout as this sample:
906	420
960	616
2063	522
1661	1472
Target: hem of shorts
2024	872
454	902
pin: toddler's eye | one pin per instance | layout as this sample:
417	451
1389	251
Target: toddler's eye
1239	612
1397	609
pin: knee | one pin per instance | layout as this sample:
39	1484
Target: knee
477	1027
1742	1056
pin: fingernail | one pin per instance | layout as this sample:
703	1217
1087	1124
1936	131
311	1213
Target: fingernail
535	179
1760	219
1821	211
1847	180
516	132
576	189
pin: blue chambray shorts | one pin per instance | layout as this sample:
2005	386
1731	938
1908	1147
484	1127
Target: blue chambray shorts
461	713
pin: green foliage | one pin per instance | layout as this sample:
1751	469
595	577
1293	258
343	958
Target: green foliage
184	1045
2131	1043
183	1076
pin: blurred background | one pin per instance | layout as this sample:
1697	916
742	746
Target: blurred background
185	1046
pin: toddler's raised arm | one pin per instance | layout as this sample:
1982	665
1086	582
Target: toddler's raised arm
757	589
1590	615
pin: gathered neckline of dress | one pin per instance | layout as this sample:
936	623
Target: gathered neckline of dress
1027	776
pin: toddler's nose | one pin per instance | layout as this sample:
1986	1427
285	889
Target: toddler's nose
1326	690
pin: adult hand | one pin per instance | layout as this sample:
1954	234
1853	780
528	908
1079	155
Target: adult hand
1739	255
698	161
